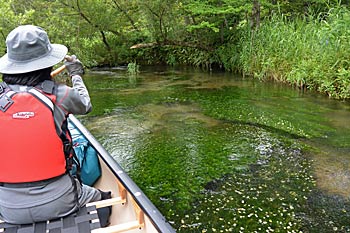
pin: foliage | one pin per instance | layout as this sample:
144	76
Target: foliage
308	53
301	42
133	68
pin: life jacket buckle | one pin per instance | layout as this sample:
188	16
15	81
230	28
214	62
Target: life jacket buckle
5	102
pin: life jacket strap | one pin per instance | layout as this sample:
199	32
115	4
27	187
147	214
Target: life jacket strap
5	103
46	100
30	184
47	86
2	87
5	99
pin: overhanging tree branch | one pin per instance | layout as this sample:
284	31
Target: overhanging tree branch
81	14
126	15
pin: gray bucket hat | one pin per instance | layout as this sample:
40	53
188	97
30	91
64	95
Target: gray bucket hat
29	49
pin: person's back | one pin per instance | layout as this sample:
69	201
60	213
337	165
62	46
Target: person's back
35	183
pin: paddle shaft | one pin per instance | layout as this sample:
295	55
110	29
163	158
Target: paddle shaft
61	68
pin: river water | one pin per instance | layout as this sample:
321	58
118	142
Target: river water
216	152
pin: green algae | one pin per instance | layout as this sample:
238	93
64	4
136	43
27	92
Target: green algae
219	154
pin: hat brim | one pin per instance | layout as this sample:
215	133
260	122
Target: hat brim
57	54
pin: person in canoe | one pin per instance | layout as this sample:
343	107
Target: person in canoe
36	149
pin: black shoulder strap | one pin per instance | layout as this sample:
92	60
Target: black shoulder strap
5	100
2	87
47	86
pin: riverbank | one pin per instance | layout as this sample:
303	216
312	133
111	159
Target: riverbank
309	53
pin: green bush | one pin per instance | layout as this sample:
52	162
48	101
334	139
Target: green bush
309	53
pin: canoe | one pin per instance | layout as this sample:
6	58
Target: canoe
132	211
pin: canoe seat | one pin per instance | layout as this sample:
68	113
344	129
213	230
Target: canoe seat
122	227
83	221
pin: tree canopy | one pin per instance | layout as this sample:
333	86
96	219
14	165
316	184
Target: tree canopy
102	31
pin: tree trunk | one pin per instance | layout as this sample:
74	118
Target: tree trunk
255	20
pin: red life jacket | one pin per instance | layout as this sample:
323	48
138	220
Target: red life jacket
31	150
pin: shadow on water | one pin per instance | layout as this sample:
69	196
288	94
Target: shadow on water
216	152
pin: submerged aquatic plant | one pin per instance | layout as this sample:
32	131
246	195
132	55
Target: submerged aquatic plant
133	68
268	197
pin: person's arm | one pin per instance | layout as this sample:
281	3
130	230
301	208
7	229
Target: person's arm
78	85
74	99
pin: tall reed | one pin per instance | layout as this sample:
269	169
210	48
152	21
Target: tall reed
310	53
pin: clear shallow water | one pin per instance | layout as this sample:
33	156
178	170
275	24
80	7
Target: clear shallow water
219	153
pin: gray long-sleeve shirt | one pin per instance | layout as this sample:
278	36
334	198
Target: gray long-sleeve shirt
75	100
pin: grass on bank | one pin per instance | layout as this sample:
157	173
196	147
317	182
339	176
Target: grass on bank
310	53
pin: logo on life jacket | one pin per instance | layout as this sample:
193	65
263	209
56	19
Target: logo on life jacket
23	115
